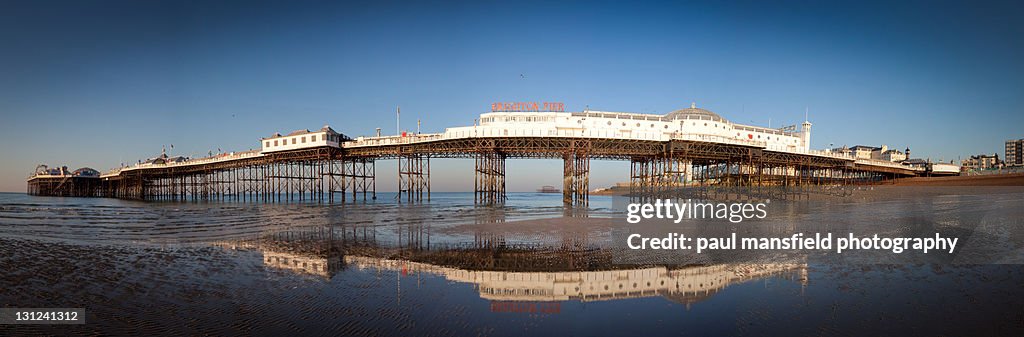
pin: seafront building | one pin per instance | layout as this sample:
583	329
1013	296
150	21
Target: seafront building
1014	155
876	153
981	162
892	155
929	168
860	151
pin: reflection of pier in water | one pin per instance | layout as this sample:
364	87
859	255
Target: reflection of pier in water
508	272
684	285
315	251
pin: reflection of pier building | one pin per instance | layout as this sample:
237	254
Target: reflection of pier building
505	272
684	285
315	252
325	266
324	263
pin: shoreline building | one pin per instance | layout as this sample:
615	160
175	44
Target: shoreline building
876	153
1014	153
892	155
934	168
981	162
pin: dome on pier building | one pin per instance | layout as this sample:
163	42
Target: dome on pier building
86	172
693	112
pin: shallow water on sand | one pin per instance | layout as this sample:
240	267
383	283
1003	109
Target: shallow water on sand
449	267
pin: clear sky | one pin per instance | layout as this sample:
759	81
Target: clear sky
97	83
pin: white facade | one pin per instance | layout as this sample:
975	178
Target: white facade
893	156
301	139
883	153
691	123
944	168
863	152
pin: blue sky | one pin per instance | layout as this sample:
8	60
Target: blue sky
97	83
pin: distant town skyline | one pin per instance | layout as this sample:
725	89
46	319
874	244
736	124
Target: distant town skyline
96	84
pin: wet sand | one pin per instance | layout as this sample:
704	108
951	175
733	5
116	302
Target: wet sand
127	264
553	228
209	290
1016	179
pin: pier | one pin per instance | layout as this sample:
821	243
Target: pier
688	147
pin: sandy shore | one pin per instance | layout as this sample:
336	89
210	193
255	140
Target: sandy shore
535	230
1016	179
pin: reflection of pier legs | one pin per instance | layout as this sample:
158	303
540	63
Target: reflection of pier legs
489	185
413	177
576	179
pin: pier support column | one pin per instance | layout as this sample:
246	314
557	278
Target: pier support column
413	177
360	174
674	172
336	179
489	182
645	177
576	178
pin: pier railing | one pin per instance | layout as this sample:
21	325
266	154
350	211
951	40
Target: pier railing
394	140
199	161
883	163
718	139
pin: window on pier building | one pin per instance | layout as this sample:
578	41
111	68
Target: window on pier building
312	138
303	139
268	144
275	142
293	141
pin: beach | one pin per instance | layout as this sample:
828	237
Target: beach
173	268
